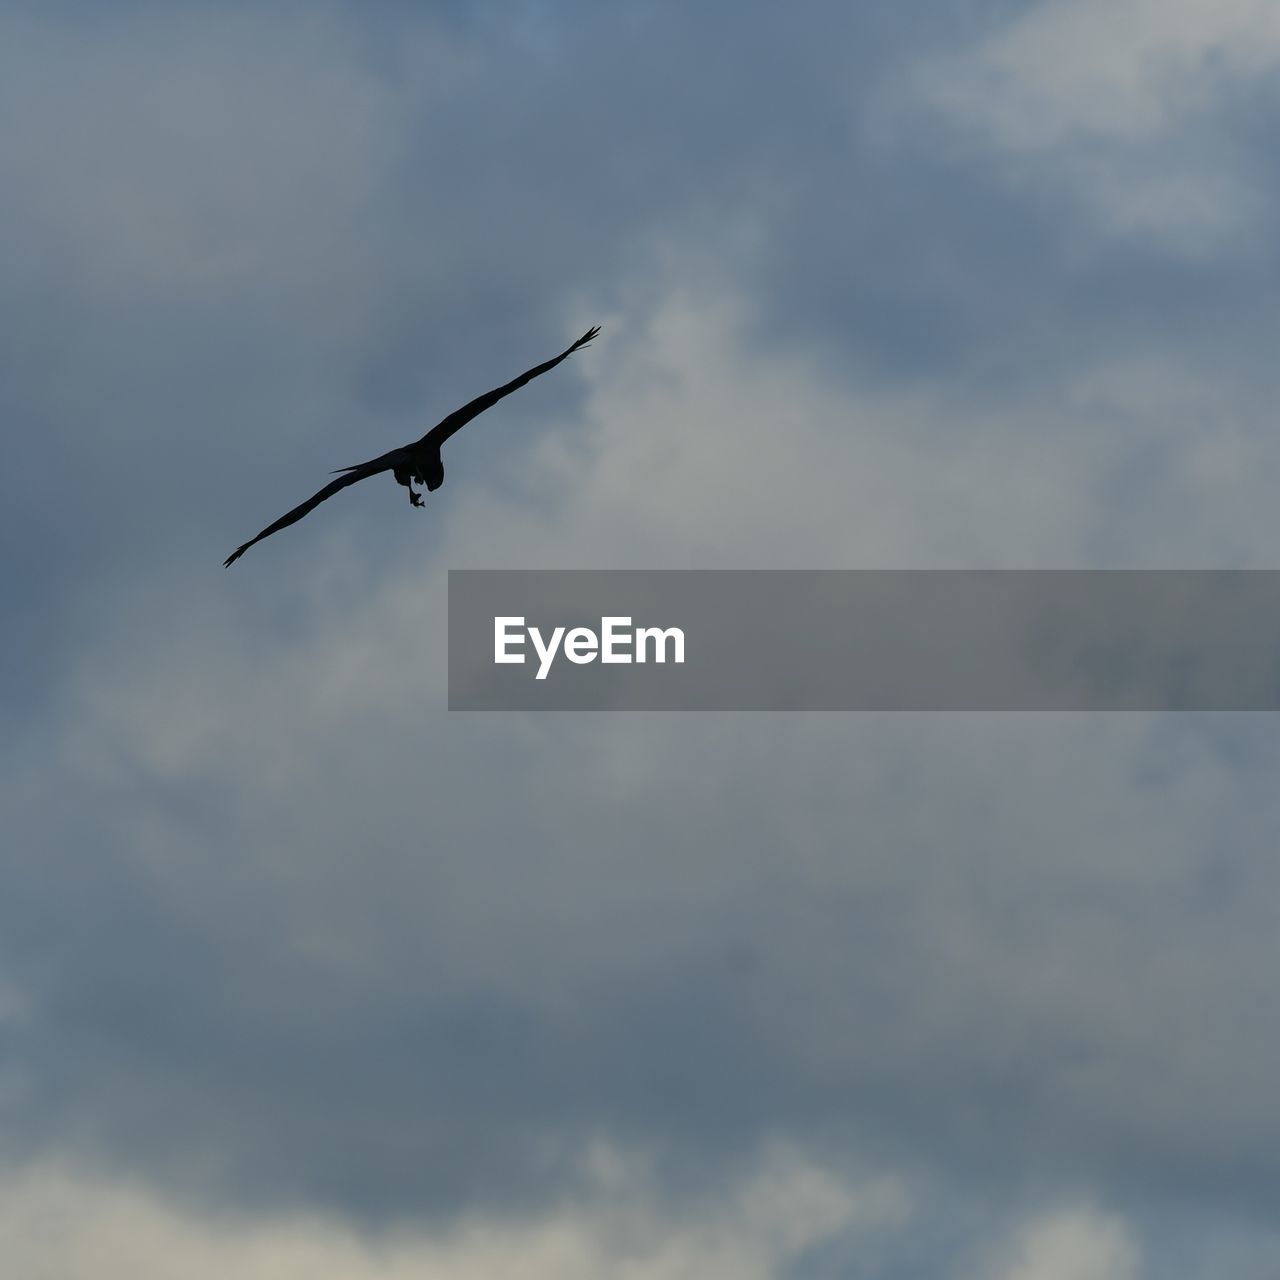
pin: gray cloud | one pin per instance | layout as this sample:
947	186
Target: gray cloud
277	933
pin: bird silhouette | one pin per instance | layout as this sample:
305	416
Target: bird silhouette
419	461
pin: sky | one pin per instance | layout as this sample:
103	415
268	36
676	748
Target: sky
301	973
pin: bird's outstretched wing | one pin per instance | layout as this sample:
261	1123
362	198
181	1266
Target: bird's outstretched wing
460	417
350	476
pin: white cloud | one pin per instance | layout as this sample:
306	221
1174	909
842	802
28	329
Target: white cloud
700	452
1102	96
1074	1244
1114	68
57	1222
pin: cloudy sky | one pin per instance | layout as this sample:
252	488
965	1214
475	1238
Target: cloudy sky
301	974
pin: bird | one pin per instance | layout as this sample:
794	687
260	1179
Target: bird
419	461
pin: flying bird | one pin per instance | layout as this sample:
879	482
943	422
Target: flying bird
419	461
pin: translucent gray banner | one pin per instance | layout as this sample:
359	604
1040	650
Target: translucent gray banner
860	640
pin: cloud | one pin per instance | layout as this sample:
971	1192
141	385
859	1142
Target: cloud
283	938
56	1221
1119	106
1076	1244
347	948
1126	70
